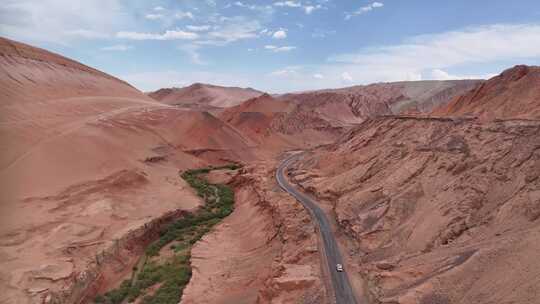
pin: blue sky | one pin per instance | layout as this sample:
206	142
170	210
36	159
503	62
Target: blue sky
279	45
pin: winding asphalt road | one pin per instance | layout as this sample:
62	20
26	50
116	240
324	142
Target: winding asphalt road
342	287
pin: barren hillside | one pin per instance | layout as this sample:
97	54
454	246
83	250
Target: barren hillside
434	210
513	94
204	95
86	159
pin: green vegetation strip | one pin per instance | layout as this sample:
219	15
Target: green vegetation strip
171	276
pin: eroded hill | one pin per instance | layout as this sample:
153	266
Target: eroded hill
88	163
438	210
207	96
512	94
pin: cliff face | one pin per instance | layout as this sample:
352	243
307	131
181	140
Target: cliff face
354	104
265	252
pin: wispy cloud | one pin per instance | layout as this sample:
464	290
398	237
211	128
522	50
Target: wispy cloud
438	74
117	48
87	34
59	21
288	3
192	50
308	7
320	33
184	15
364	9
198	28
279	49
281	34
154	16
253	7
233	29
470	45
167	35
442	56
287	72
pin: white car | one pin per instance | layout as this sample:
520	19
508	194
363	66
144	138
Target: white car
339	267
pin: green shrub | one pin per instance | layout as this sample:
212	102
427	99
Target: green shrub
176	273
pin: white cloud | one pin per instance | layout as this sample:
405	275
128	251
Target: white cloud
476	52
87	34
233	29
438	74
154	16
436	51
198	28
308	9
279	49
318	76
345	76
364	9
184	15
281	34
319	33
168	35
288	3
286	72
159	8
253	7
61	21
117	48
192	50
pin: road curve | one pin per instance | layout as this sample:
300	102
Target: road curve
342	287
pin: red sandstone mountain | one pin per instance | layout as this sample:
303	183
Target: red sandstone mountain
513	94
204	95
312	118
384	98
430	210
86	158
440	210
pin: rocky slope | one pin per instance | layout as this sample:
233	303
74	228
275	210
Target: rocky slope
265	252
353	104
86	159
438	210
308	119
512	94
204	95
